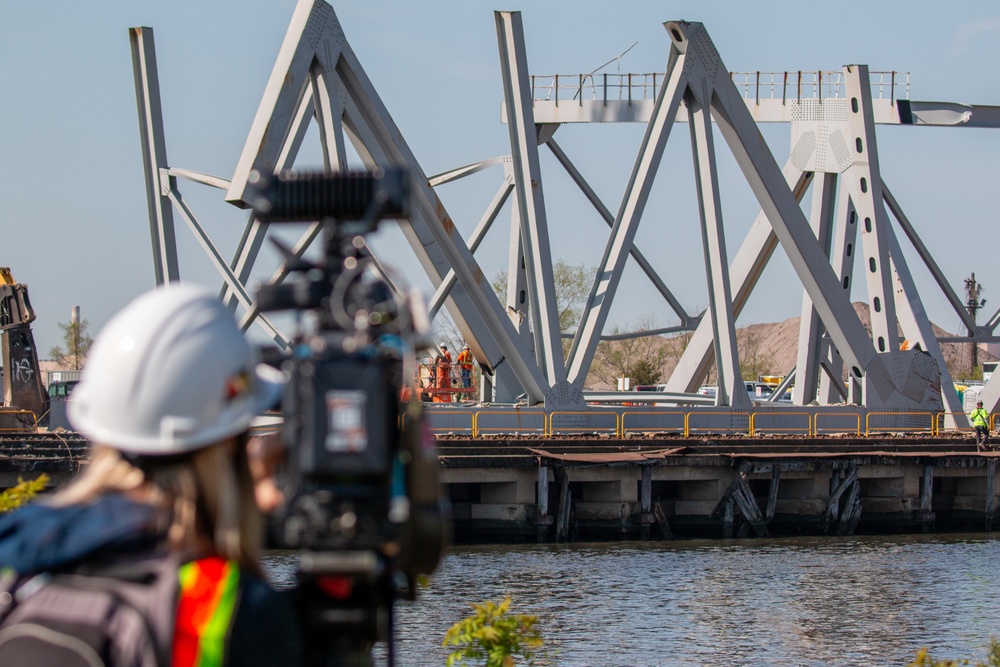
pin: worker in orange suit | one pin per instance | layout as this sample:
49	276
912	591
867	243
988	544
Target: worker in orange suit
465	366
444	374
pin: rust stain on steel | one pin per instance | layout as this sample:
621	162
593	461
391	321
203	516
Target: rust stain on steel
446	221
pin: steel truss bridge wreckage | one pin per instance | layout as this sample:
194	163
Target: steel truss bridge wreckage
833	116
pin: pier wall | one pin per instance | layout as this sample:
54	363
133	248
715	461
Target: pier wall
720	496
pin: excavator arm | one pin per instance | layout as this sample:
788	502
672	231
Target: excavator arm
24	394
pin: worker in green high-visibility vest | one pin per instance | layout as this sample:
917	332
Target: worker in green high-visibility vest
980	419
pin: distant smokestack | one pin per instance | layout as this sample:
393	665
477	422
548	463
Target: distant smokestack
74	317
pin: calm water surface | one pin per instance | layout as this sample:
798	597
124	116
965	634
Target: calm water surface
792	602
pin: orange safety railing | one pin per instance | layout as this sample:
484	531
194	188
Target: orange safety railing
517	428
783	429
850	415
899	429
588	426
683	416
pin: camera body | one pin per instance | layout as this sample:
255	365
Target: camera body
363	503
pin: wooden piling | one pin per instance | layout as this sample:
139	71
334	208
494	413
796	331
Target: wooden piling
991	470
645	501
565	502
833	504
543	490
727	518
772	494
661	521
926	518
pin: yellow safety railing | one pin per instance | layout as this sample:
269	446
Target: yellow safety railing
588	427
898	429
783	429
683	416
718	415
939	418
34	419
452	427
852	415
478	428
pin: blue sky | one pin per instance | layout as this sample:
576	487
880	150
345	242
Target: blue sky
74	212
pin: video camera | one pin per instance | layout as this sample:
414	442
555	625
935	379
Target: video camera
364	505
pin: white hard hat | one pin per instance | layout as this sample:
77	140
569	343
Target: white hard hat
169	374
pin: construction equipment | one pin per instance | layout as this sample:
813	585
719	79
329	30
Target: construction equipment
25	400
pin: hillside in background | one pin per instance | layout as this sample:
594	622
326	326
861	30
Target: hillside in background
779	343
773	348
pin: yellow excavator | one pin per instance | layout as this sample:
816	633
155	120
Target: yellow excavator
25	399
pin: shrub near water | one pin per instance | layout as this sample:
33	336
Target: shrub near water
924	659
494	636
16	496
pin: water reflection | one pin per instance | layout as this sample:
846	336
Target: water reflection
800	601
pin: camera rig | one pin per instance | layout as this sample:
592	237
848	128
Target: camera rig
364	506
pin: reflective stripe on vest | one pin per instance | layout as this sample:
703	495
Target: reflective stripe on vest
208	592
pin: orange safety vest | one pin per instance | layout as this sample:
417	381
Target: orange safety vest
208	592
465	359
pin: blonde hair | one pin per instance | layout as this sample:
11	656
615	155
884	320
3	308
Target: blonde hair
207	496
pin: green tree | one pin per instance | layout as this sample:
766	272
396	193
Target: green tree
16	496
72	355
755	358
645	371
572	287
640	357
493	635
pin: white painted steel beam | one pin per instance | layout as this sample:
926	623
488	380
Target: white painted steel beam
311	233
917	328
831	385
744	272
329	117
221	266
255	231
886	112
602	210
792	229
730	387
530	197
810	348
489	216
462	172
865	182
154	155
430	230
289	82
595	311
942	282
